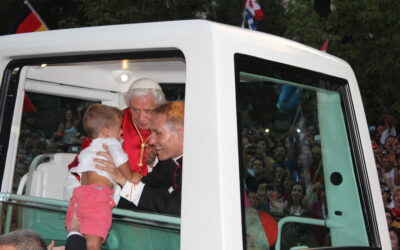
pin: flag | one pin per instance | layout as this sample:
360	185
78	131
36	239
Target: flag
255	10
28	105
252	10
324	47
250	20
289	98
28	20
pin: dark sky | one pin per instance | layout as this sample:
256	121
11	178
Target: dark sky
51	11
8	13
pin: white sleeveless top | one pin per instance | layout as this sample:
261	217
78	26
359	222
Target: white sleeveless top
86	156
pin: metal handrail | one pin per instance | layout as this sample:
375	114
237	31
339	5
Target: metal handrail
34	164
296	219
139	217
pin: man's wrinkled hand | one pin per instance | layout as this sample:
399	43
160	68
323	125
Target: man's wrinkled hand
108	166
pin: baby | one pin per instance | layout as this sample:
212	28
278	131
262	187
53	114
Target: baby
93	199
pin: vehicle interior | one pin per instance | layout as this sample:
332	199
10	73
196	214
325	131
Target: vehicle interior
51	96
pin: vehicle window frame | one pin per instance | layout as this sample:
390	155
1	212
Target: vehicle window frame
259	66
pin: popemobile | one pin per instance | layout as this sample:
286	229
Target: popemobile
240	87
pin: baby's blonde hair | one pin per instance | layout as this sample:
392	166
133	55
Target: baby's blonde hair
99	116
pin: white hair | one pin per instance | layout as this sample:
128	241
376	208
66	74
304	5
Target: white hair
139	88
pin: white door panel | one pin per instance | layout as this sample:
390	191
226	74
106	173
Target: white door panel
106	97
14	136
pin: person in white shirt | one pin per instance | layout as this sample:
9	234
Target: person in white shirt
93	200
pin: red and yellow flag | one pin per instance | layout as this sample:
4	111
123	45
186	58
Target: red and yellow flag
28	20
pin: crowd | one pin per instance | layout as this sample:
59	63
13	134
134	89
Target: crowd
283	177
386	148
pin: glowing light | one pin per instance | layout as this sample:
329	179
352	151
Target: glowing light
122	76
298	131
125	64
43	65
266	130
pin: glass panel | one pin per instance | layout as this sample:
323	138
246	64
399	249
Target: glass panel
282	151
294	153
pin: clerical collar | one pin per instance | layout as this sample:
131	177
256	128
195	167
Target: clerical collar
177	160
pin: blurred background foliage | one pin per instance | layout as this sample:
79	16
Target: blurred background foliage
365	33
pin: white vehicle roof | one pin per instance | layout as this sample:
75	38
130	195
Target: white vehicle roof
164	36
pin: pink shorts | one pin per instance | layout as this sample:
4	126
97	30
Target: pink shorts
94	209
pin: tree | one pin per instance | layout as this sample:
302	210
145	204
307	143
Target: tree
365	34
